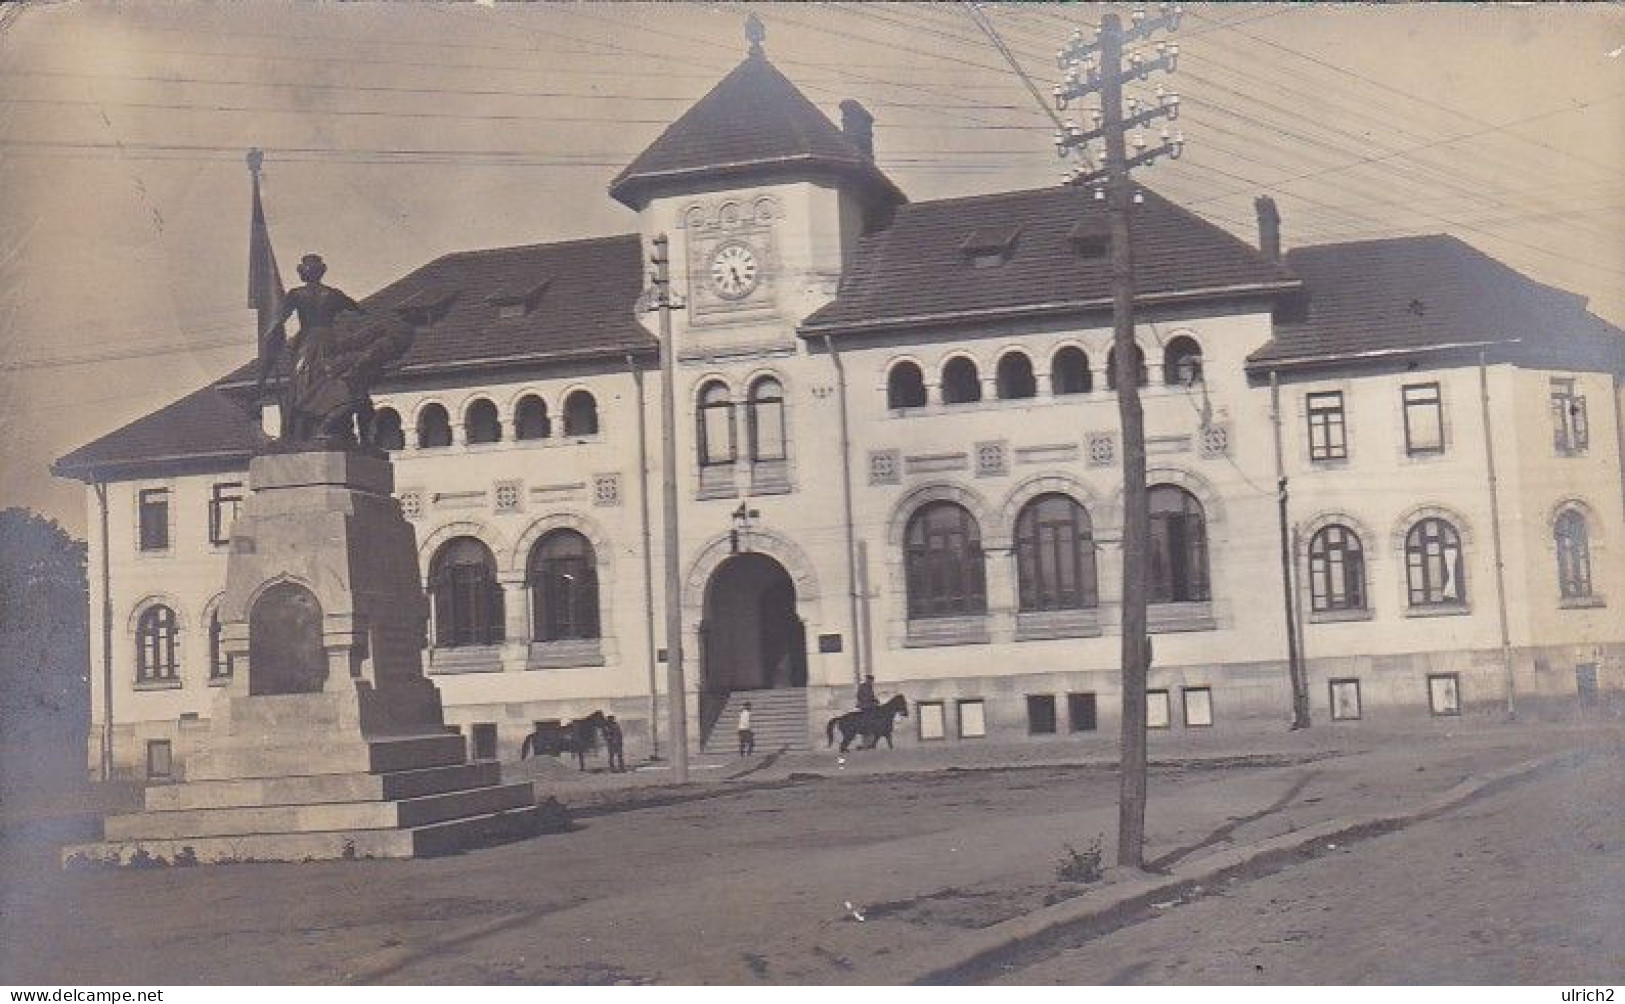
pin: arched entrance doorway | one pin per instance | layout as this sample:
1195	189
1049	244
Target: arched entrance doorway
751	637
285	653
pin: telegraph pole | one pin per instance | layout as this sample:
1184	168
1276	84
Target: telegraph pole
1098	67
676	692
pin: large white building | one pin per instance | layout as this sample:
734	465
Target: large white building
898	454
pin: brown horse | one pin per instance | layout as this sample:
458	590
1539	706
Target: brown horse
873	723
576	737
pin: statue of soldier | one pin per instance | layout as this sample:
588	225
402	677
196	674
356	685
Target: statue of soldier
337	355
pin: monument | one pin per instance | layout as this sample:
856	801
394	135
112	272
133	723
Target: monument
328	741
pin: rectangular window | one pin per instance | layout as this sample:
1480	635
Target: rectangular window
1345	696
1040	714
972	719
1424	419
225	499
1326	434
160	759
1444	694
154	516
932	724
1570	431
1156	709
1198	706
483	737
1080	712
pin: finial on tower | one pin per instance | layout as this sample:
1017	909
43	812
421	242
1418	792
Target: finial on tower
756	33
256	157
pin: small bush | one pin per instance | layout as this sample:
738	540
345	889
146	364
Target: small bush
1081	866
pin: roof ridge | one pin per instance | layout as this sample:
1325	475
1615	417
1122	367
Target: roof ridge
510	249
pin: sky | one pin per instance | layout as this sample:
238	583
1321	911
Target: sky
397	133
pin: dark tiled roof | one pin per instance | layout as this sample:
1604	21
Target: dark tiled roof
574	299
923	265
756	121
205	425
1415	294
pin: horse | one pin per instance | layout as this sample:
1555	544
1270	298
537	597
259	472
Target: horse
874	723
576	737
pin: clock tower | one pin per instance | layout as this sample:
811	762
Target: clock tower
762	197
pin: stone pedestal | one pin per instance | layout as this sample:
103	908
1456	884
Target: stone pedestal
329	740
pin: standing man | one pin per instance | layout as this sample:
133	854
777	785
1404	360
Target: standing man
614	743
747	738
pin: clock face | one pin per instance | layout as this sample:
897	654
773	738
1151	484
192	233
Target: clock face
734	271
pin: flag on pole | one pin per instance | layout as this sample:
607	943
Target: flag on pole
265	292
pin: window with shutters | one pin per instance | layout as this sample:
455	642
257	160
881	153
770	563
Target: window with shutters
1336	570
225	499
1179	570
1327	436
1434	564
943	563
1424	419
153	515
716	425
563	578
1570	433
1055	555
466	596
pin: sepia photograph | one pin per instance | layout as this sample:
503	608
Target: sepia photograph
796	494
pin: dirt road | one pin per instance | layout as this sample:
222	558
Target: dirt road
1526	886
751	886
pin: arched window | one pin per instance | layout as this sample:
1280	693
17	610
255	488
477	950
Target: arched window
1573	555
155	644
905	386
386	430
219	665
481	424
764	417
1182	362
1055	555
960	383
716	425
434	427
1111	366
943	563
1179	572
1015	376
1336	570
580	414
1434	572
467	598
530	419
563	578
1069	372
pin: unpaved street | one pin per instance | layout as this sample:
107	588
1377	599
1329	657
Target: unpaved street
749	886
1523	886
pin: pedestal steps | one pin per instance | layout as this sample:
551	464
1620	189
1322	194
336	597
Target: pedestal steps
419	798
319	788
422	841
321	816
250	759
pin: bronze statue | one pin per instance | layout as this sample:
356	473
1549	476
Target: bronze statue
333	361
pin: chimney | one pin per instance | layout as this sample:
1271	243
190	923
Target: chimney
859	127
1269	227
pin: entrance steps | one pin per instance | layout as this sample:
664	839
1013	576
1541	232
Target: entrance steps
778	717
402	796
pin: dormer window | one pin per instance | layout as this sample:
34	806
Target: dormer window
427	307
1089	241
519	301
989	247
